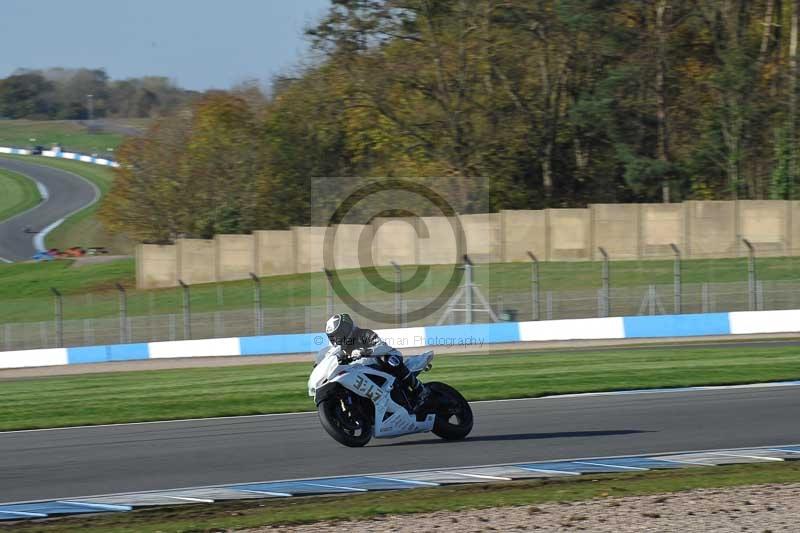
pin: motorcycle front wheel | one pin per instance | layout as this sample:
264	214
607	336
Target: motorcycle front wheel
453	413
347	424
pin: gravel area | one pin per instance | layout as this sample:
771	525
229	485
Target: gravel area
761	509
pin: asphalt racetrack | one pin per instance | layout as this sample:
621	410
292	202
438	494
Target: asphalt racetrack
66	193
67	463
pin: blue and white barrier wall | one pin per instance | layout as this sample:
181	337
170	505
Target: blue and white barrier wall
80	157
466	336
14	151
62	155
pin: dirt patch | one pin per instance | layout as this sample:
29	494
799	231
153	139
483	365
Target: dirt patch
762	509
97	259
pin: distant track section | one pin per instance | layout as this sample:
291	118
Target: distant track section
63	193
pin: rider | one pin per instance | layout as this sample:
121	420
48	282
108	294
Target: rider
357	343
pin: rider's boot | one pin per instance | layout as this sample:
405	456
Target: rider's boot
418	393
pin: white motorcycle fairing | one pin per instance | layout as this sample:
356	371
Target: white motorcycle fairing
391	418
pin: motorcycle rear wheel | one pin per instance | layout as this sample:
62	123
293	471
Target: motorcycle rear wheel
453	413
344	425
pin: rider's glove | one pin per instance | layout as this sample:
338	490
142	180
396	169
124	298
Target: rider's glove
356	354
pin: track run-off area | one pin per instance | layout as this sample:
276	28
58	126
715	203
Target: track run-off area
63	193
83	461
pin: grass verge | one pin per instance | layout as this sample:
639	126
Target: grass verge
254	389
70	134
32	282
17	194
254	513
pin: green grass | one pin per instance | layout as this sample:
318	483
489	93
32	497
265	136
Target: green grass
25	294
31	282
227	516
281	387
83	228
17	194
72	136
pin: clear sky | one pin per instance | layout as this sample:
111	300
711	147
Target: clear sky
200	44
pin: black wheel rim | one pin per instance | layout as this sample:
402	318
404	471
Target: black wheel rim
348	422
456	417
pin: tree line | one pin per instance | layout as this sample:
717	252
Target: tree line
63	94
558	103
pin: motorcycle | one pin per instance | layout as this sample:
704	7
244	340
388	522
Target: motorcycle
356	401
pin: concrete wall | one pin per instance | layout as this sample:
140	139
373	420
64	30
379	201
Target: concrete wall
156	266
274	253
793	223
196	260
235	256
395	239
482	234
764	224
711	229
617	230
436	241
522	232
308	246
662	225
634	231
352	241
570	234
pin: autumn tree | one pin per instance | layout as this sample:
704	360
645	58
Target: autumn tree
193	175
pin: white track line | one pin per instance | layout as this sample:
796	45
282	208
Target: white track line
746	456
410	481
188	499
603	465
38	239
24	513
107	506
266	492
477	476
43	192
548	471
337	487
390	474
553	397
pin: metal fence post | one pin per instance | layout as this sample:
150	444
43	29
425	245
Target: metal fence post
123	314
706	303
187	311
534	286
258	311
329	277
59	319
468	288
398	295
760	295
651	293
751	275
676	279
606	292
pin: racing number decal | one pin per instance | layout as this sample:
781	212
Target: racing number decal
368	389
